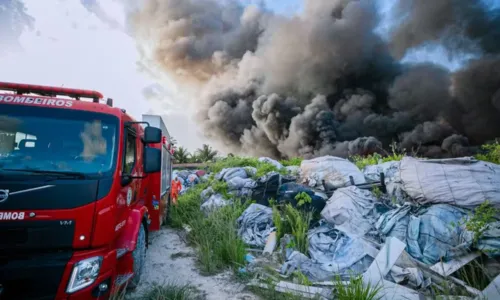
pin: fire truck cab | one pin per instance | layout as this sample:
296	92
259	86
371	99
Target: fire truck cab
82	185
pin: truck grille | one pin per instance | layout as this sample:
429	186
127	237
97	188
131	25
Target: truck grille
35	236
32	276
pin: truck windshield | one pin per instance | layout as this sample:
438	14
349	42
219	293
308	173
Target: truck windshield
58	141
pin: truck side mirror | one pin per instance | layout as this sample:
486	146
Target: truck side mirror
152	135
152	160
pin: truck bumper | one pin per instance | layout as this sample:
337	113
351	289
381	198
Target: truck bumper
46	276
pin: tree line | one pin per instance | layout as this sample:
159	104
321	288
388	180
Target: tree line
204	154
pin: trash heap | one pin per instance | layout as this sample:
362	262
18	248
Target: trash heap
189	178
408	226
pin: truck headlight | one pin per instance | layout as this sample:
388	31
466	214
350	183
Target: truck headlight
84	273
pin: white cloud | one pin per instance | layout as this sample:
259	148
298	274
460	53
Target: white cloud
72	47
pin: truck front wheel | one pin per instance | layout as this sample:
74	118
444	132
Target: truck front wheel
139	256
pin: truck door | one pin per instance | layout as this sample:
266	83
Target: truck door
131	164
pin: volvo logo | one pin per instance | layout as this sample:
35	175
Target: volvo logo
4	195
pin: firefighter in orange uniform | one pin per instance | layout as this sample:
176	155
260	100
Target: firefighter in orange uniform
176	188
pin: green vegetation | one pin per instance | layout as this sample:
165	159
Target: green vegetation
296	161
362	161
214	236
290	220
171	292
205	153
355	289
181	155
201	155
233	162
478	222
490	153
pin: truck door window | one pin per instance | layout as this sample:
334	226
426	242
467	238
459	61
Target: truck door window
130	152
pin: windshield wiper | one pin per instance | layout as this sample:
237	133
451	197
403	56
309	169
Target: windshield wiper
59	174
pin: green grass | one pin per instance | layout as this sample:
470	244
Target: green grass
373	159
215	236
171	292
289	220
296	161
233	162
355	289
262	167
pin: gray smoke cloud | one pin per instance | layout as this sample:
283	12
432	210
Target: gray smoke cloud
323	82
459	25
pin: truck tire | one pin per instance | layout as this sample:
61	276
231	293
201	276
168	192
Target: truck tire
139	256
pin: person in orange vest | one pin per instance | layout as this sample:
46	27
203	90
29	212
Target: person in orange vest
176	188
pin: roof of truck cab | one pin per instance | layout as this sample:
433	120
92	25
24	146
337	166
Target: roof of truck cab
59	103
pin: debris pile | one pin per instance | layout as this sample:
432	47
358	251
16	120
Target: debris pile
410	227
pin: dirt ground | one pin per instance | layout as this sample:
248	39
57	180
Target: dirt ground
170	260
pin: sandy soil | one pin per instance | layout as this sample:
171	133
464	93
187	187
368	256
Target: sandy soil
170	260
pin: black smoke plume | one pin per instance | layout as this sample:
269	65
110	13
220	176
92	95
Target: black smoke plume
323	82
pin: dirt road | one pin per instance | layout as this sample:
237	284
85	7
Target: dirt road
170	260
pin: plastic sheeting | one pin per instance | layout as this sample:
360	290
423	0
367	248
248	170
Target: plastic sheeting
241	187
237	183
351	210
206	193
395	222
335	171
271	161
332	253
463	182
489	242
435	234
230	173
267	187
255	225
390	170
213	203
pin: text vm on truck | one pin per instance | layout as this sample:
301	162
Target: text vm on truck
82	184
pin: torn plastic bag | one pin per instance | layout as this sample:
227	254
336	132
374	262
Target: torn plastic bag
395	222
242	193
489	242
392	180
191	180
206	193
335	171
288	191
213	203
255	225
237	183
413	276
463	182
183	174
229	173
390	169
312	270
332	253
241	187
267	187
435	234
351	210
271	161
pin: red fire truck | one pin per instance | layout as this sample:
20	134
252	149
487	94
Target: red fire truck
82	184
